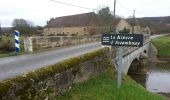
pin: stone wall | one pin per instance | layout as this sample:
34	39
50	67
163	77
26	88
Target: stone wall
76	31
48	82
43	42
66	31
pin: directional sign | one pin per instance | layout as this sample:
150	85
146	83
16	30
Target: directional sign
130	40
120	40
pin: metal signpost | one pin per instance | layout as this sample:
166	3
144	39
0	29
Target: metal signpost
121	40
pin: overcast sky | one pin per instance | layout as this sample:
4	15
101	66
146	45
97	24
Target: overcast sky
39	11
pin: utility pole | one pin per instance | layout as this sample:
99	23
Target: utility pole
133	23
114	23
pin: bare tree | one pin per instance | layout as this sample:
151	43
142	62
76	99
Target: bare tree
106	19
23	26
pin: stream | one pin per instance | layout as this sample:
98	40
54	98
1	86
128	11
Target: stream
157	74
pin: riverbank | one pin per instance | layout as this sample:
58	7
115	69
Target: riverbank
7	46
103	87
8	54
163	45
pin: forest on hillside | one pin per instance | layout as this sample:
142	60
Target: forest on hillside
158	25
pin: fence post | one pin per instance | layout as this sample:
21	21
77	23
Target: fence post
61	40
28	44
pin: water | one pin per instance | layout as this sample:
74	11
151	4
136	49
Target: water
156	77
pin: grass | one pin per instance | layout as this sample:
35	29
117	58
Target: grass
8	42
163	45
7	54
103	87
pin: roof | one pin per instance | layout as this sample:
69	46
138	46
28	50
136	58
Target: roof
85	19
123	22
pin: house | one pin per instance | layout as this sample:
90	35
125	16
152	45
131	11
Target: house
147	30
122	24
87	24
80	24
137	28
142	30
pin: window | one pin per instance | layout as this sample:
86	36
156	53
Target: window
84	29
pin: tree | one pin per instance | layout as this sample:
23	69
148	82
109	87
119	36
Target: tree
125	30
106	19
23	26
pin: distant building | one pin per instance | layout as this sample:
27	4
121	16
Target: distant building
141	30
147	30
123	24
6	30
138	29
80	24
88	24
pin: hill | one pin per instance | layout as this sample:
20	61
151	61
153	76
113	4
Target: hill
157	24
5	30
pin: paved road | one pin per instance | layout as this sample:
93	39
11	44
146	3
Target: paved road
13	66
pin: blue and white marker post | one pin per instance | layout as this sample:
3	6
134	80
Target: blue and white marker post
17	42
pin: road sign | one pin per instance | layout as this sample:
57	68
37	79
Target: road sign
130	40
120	40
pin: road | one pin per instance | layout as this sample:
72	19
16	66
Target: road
155	36
13	66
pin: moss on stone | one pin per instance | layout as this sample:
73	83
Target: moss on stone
73	61
19	79
59	67
93	54
43	73
49	90
32	75
4	87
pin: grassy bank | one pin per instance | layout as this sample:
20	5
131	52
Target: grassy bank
7	46
7	54
163	45
103	87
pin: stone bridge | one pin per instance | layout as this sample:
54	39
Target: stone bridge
37	43
59	76
133	53
138	53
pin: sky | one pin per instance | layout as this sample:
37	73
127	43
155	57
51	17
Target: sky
40	11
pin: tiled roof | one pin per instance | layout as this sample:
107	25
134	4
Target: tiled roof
85	19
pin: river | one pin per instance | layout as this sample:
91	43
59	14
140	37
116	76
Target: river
157	74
